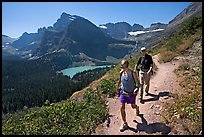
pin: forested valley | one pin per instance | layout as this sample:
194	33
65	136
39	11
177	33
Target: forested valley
32	83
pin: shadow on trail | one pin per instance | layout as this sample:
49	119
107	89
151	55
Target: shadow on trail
156	97
150	128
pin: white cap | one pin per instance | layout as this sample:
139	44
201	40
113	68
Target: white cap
143	48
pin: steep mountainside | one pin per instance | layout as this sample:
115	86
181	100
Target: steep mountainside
29	42
28	39
7	39
75	40
192	9
117	30
9	52
64	20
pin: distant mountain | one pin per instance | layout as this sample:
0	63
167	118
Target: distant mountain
29	42
137	27
75	40
7	39
64	20
9	52
117	30
70	33
155	26
123	30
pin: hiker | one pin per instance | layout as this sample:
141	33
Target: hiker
144	67
128	91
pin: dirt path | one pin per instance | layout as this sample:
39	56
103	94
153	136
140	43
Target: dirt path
162	85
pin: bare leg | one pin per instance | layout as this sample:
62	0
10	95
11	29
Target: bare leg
124	125
134	106
122	110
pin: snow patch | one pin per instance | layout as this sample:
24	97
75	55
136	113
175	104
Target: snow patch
72	18
54	51
157	30
103	27
31	43
135	33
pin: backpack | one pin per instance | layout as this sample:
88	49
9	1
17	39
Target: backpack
125	93
132	76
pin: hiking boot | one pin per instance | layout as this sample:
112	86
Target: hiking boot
137	110
124	127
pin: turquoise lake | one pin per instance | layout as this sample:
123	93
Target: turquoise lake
72	71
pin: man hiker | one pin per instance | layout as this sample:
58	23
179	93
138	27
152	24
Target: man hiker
128	91
144	66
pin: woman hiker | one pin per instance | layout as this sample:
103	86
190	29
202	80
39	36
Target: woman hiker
128	91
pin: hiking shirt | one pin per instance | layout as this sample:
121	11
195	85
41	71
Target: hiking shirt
127	82
145	62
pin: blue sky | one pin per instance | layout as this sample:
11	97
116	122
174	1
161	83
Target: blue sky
20	17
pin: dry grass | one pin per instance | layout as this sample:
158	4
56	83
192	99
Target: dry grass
166	56
187	43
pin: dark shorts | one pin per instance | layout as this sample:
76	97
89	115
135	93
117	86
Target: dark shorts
128	100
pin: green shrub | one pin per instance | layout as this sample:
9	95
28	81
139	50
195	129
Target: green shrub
108	87
63	118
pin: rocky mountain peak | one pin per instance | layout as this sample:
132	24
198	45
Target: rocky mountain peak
192	9
137	27
64	20
158	25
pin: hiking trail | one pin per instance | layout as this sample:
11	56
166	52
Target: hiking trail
163	85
